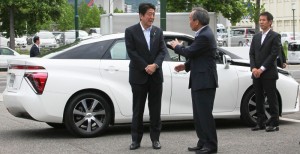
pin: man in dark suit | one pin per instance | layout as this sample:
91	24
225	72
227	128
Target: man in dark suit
146	49
35	51
264	50
203	79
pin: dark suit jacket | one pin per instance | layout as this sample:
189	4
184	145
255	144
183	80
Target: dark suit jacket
265	54
201	60
140	56
281	57
34	51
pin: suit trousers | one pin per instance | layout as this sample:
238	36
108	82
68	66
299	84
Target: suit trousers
266	87
203	102
140	92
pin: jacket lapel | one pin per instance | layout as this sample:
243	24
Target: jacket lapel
152	38
267	37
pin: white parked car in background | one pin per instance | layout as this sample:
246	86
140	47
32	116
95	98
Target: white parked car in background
7	54
3	41
47	40
287	37
69	36
86	88
20	42
293	53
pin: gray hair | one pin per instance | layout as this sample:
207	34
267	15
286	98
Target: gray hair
201	15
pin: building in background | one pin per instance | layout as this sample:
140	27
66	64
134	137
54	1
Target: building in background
283	15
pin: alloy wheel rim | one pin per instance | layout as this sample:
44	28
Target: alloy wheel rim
252	108
89	115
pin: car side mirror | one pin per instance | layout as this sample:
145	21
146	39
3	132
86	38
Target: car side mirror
226	61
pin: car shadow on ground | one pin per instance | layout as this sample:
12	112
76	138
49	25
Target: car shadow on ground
124	129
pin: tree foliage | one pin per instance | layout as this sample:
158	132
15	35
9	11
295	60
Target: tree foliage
89	16
232	10
92	18
32	13
66	21
24	16
254	9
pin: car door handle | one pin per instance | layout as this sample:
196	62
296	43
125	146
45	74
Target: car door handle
111	69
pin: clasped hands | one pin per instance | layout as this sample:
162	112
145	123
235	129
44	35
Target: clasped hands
150	69
256	72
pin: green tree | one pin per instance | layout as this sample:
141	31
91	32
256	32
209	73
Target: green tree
116	10
232	10
83	10
89	16
254	9
93	18
66	21
22	16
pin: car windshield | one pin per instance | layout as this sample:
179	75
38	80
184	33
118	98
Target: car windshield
294	47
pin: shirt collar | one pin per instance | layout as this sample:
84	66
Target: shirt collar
200	30
148	29
266	32
36	45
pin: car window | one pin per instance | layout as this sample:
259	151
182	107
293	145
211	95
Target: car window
6	52
118	50
294	47
87	51
171	55
237	32
251	31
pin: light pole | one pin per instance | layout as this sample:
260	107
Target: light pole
76	20
293	9
0	34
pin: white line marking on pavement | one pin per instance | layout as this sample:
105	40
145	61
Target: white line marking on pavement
291	120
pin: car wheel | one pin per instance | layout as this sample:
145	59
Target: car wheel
248	108
87	115
56	125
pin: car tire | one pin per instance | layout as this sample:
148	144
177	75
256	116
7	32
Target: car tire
248	108
87	115
56	125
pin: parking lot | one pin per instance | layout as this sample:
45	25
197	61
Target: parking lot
26	136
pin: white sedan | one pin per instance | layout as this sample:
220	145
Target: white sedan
7	54
85	87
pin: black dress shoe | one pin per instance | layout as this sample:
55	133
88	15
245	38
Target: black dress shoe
195	148
156	145
134	146
272	128
206	150
257	127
